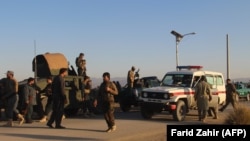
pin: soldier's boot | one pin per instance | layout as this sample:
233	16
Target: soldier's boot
44	119
20	118
9	123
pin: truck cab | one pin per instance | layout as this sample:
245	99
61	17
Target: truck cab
176	92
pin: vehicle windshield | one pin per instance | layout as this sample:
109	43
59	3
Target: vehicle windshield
177	80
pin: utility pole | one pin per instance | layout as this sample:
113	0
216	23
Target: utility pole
228	63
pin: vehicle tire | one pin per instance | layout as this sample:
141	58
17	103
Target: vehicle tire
125	107
146	112
71	111
248	97
181	110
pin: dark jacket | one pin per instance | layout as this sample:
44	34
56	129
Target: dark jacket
9	87
57	87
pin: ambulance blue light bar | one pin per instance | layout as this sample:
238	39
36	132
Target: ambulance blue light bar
190	67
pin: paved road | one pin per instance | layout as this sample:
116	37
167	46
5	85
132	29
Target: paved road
130	126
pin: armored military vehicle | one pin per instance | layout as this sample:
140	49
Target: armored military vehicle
49	64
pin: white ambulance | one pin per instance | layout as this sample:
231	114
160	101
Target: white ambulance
176	92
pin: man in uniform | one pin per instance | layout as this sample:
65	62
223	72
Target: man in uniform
230	95
58	98
87	105
131	77
106	94
202	96
81	65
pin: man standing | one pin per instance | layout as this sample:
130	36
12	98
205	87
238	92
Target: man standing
202	96
106	94
230	95
81	65
87	105
131	77
58	98
30	98
9	86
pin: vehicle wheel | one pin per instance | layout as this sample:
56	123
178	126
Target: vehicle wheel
181	110
71	112
248	97
146	112
125	107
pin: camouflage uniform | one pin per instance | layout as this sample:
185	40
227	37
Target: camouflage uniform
131	77
107	102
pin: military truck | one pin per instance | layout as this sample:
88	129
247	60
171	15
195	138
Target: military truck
49	64
242	90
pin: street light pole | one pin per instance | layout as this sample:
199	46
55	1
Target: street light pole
178	38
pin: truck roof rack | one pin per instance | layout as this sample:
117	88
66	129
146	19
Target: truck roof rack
190	67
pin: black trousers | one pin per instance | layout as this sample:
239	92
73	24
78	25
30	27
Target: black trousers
57	113
10	104
48	107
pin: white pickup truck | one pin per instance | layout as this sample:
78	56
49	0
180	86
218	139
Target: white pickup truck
176	92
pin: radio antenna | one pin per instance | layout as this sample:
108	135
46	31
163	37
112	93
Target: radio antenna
35	63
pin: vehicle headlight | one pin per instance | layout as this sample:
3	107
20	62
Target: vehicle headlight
145	94
166	96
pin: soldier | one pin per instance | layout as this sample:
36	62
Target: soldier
131	77
81	65
58	99
202	96
230	95
30	98
87	106
106	94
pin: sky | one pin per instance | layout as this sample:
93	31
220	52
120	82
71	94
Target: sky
115	35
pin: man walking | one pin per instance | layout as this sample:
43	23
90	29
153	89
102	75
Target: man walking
202	96
230	95
9	86
58	98
106	94
30	98
48	92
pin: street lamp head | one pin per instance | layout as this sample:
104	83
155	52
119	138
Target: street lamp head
178	35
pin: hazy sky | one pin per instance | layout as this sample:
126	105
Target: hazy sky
116	34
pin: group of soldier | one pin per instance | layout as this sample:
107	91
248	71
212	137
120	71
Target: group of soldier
56	98
203	96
